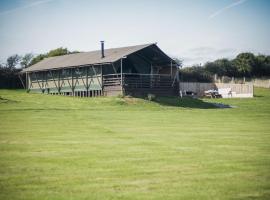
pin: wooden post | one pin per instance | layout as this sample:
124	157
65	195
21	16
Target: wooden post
115	71
46	81
42	81
171	68
177	73
59	81
121	72
121	75
101	74
40	87
21	81
29	82
151	76
87	84
72	83
26	81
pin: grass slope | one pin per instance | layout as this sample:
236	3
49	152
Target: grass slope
55	147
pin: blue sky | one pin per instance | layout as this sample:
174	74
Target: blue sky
194	30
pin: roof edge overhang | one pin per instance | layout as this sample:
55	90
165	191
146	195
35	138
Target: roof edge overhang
27	70
68	67
153	44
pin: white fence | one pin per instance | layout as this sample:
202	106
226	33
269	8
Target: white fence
265	83
238	90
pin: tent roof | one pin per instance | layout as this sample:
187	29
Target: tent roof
87	58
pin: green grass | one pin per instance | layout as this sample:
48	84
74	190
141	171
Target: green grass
55	147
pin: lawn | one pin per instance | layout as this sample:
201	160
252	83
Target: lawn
56	147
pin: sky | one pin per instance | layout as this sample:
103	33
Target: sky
193	30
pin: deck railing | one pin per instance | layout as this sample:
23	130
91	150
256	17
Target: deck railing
111	80
139	80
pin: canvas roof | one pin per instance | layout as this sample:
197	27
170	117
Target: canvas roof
85	58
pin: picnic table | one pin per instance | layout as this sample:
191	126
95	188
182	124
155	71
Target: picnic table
212	94
220	93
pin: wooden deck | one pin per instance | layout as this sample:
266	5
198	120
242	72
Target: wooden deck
140	84
85	85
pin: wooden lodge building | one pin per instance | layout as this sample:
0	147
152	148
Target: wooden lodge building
133	70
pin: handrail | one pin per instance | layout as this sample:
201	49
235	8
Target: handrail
147	74
135	80
137	74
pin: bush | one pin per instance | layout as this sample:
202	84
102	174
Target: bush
195	74
9	78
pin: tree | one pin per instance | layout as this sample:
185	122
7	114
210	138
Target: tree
9	73
221	67
226	66
214	68
244	63
58	52
178	61
26	60
12	61
195	73
262	67
55	52
37	59
266	66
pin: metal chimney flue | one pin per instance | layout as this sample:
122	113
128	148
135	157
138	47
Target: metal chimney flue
102	49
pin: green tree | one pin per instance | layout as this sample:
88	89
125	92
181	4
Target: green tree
195	73
55	52
26	60
13	61
215	68
37	58
266	67
245	62
58	52
221	67
262	67
178	61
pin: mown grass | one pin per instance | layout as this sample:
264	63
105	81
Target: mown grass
55	147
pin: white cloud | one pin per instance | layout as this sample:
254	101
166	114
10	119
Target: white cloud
218	12
24	7
201	55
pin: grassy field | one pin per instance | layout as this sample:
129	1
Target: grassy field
55	147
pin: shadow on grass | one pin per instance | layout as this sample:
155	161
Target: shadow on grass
4	100
185	102
258	96
253	197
